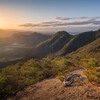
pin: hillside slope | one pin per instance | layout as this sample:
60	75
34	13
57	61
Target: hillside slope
90	50
25	38
20	45
53	44
53	89
79	41
63	43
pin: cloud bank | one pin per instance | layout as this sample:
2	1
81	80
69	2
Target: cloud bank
58	22
66	18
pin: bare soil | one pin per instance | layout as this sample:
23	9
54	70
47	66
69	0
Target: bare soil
53	89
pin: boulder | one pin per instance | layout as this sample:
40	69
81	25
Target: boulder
71	79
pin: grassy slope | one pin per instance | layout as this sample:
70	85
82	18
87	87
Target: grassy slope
78	41
53	44
90	50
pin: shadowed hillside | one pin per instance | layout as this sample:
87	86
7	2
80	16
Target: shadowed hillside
63	43
53	44
25	38
20	45
90	50
79	41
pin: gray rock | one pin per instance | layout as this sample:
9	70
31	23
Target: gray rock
69	80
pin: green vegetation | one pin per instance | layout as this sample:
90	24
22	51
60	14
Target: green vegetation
79	82
15	77
91	50
92	70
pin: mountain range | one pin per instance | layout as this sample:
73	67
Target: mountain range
28	39
63	43
20	46
90	50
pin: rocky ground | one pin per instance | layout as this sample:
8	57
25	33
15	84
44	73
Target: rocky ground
53	89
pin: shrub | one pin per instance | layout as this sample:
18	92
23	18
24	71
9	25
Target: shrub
15	77
89	63
61	77
92	73
79	82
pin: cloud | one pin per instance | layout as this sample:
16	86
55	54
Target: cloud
81	17
76	18
62	18
92	21
43	24
96	22
86	22
50	22
29	25
66	18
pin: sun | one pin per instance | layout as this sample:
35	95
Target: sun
1	23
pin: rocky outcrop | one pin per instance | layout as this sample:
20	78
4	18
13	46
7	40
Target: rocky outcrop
53	89
71	79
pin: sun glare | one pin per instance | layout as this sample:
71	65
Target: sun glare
1	23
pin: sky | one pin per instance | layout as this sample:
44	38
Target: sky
50	15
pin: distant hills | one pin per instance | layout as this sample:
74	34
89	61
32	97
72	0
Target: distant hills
53	44
63	43
20	46
78	41
31	39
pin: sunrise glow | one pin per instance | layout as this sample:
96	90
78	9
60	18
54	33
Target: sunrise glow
54	16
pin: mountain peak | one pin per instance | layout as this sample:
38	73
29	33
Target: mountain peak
62	33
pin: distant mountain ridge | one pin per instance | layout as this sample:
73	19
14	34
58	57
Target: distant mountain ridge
79	40
39	45
87	51
53	44
20	45
31	39
63	43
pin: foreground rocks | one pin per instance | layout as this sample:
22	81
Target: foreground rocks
71	79
53	89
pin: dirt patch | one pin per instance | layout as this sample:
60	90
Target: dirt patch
53	89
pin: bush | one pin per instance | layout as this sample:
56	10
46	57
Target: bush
79	82
61	77
15	77
89	63
92	73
